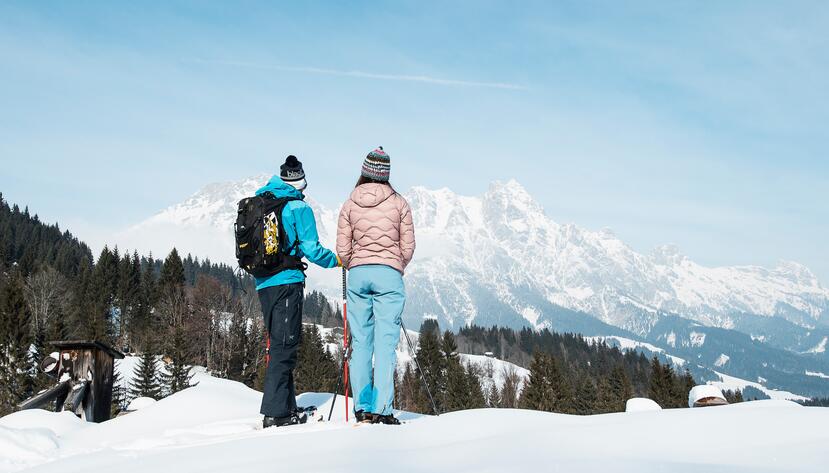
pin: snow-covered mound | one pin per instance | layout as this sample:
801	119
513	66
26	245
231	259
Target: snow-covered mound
498	259
641	404
214	427
32	437
140	403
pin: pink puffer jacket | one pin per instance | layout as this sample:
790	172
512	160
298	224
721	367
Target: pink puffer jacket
375	227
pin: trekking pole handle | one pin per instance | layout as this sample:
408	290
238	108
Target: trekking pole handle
344	282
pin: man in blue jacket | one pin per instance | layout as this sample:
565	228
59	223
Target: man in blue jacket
282	294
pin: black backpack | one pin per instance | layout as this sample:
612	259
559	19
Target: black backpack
260	237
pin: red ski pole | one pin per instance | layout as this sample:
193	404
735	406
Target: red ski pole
345	344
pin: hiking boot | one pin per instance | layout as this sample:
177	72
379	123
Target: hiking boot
293	419
387	419
363	416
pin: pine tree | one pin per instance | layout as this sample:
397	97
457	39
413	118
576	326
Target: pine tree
493	396
177	376
102	289
143	323
475	398
146	381
80	307
432	363
620	389
174	308
456	394
15	362
606	399
586	397
674	396
657	390
455	391
546	389
316	369
686	384
172	273
119	392
129	288
734	396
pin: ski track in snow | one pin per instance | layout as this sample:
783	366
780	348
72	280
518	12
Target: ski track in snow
212	427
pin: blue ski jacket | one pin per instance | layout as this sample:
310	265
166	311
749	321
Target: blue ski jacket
298	220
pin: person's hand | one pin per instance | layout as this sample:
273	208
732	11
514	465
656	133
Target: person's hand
339	261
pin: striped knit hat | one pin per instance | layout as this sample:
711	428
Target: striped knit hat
377	165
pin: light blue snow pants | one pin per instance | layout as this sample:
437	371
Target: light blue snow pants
376	297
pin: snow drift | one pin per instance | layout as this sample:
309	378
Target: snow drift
213	427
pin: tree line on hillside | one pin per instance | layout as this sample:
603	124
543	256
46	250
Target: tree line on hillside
566	374
176	313
602	373
179	312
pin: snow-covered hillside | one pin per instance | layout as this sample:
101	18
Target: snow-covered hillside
722	381
733	383
627	344
498	259
213	427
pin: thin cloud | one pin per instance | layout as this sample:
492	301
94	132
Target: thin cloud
367	75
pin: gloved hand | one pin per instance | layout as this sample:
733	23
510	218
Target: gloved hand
339	261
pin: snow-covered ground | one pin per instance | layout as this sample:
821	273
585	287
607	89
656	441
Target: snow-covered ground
627	344
734	383
214	427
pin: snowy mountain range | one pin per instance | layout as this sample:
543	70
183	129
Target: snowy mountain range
498	259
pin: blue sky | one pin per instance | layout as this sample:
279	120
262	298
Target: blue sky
702	124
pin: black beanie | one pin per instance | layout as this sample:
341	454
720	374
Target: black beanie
291	171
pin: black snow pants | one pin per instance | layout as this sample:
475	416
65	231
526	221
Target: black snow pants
282	309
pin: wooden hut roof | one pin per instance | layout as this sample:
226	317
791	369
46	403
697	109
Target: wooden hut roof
73	344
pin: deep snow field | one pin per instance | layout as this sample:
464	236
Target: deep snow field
212	427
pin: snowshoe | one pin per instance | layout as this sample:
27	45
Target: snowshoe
299	417
363	416
386	419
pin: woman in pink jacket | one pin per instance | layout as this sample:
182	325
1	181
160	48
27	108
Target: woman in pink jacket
375	240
